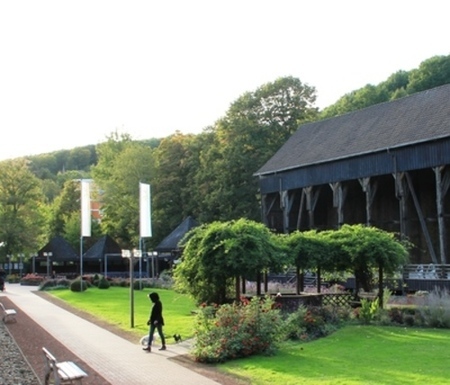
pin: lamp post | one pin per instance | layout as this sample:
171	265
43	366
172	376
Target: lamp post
21	264
33	257
9	263
131	255
154	255
48	255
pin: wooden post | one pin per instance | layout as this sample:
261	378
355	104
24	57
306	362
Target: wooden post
380	286
440	193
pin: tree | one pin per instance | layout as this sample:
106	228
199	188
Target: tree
122	164
370	248
431	73
253	129
22	209
217	254
309	251
356	100
172	191
72	230
64	205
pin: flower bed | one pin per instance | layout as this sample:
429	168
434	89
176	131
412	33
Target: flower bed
31	280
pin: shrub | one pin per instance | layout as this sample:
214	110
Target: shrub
312	322
436	311
63	282
103	283
53	284
369	310
236	330
294	324
12	278
395	315
79	285
404	315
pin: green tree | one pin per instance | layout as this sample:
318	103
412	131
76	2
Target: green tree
217	254
72	230
309	251
172	199
253	129
122	164
65	204
81	158
368	249
356	100
431	73
22	209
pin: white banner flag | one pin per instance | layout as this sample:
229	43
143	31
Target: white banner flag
85	208
145	210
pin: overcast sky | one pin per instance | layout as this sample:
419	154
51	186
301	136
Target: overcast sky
73	72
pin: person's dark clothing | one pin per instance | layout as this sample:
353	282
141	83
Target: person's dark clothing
156	313
156	320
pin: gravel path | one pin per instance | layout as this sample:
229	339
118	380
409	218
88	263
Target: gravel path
14	369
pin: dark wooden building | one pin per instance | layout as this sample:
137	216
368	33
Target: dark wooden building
57	257
168	250
386	166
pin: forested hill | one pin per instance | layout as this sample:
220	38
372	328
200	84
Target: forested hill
431	73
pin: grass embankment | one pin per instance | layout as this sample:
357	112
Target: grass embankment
350	356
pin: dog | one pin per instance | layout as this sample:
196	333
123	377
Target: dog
177	338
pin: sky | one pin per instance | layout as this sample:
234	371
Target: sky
74	72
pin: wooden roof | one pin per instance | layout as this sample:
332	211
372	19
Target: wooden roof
61	250
105	245
418	118
170	242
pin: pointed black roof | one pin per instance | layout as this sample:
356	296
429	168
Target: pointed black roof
105	245
170	242
61	250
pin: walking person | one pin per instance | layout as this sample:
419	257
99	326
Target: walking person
156	321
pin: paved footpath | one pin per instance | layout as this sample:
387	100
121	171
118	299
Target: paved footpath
119	361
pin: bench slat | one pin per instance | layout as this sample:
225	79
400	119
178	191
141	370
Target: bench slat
68	370
62	371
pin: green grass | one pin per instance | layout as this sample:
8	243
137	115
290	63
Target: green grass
353	355
113	306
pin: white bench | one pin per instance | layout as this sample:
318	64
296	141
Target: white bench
8	314
66	372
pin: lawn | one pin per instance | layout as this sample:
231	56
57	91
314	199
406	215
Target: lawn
113	306
353	355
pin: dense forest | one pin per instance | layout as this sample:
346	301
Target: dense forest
208	176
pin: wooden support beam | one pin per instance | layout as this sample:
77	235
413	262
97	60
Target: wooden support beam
401	196
370	191
339	195
300	209
421	219
440	214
